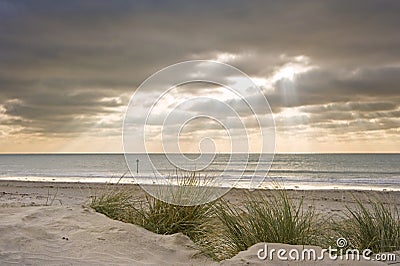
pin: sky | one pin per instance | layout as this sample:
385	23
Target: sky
330	70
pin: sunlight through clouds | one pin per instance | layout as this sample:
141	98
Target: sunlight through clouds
297	65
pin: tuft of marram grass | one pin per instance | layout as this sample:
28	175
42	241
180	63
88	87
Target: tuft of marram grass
374	225
115	202
156	215
165	218
186	189
275	219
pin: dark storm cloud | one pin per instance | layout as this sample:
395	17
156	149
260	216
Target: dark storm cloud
327	86
71	62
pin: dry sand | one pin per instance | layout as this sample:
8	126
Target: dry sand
68	232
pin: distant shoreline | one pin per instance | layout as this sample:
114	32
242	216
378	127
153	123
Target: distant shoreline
131	181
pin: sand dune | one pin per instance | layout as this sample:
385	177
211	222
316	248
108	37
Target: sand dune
69	233
79	236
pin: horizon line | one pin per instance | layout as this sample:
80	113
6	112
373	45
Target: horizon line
122	153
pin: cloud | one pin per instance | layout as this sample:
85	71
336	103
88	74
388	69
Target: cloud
69	68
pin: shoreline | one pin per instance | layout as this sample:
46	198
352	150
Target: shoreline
267	185
37	193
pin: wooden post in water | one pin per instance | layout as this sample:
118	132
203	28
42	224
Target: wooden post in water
137	166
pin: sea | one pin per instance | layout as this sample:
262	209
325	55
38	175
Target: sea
292	171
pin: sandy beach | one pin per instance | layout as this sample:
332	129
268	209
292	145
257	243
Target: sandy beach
295	105
52	224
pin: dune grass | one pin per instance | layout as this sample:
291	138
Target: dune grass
156	215
115	202
185	188
374	225
274	219
222	229
165	218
